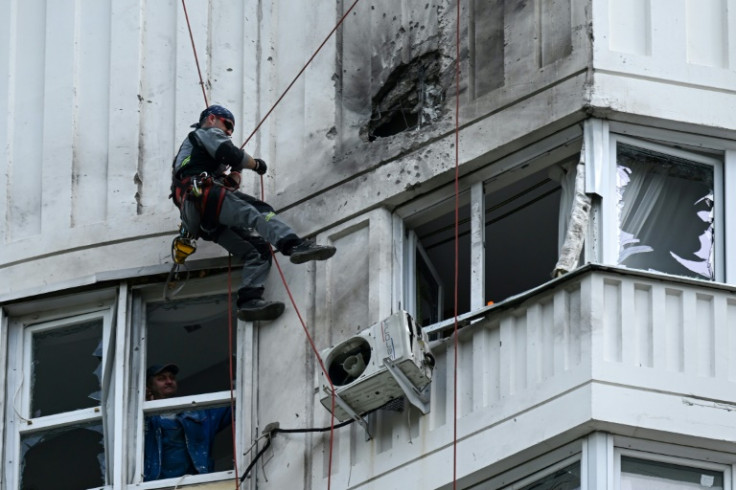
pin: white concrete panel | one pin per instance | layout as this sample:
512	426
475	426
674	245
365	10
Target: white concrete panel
705	327
24	185
7	48
669	100
730	307
58	120
682	41
707	32
92	66
158	127
629	26
122	189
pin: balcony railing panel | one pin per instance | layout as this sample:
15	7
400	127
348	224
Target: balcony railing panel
541	355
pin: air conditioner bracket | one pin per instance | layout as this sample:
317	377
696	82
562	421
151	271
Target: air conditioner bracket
353	414
418	398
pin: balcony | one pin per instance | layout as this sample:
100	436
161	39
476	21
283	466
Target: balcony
629	352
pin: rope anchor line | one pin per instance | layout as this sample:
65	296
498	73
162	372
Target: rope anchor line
175	267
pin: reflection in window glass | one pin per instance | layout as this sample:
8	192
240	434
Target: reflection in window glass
567	478
71	458
639	474
665	208
66	368
188	443
193	334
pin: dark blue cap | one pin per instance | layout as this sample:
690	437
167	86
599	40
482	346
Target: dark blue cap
160	368
217	110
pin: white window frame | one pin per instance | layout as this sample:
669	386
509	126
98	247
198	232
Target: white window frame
600	156
538	468
473	189
19	421
243	332
611	223
680	455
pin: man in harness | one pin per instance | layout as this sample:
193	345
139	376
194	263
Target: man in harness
205	180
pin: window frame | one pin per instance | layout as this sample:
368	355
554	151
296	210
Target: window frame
18	419
243	341
473	189
595	141
611	246
538	467
690	461
600	180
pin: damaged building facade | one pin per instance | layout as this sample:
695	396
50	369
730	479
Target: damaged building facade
596	165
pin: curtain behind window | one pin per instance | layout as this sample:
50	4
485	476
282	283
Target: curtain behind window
665	209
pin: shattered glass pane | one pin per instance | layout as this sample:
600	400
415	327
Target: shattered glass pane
567	478
665	210
640	474
64	368
71	458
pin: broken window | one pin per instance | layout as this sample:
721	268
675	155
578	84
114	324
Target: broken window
59	379
187	428
666	211
67	458
522	241
52	373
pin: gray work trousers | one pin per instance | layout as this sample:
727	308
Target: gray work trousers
240	216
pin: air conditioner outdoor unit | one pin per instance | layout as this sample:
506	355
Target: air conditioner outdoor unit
385	361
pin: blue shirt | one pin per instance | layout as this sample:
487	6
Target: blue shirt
182	444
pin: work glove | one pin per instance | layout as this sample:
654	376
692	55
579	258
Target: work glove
260	166
232	181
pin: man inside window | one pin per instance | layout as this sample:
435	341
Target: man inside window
178	444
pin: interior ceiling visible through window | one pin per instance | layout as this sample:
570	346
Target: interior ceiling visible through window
521	241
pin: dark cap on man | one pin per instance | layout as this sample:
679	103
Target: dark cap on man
217	110
160	368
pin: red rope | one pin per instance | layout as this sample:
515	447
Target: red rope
314	349
299	74
194	49
283	278
230	359
457	228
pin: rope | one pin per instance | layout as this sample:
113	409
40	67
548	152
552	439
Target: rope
278	266
194	50
457	232
258	126
230	361
321	365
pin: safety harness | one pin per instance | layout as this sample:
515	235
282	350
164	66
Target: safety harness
204	191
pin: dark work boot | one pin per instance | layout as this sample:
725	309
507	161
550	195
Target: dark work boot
258	309
308	250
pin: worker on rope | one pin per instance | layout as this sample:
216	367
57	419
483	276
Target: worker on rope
205	180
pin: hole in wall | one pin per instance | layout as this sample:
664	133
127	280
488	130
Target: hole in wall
411	98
